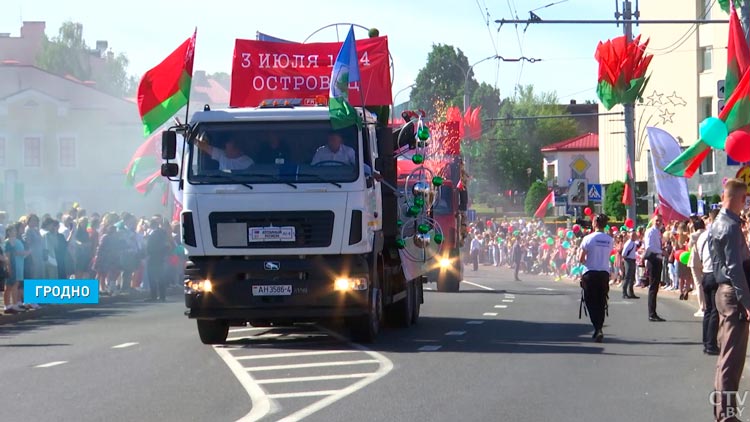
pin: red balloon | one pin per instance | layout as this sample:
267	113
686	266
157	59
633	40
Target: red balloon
564	267
615	229
677	254
587	211
629	223
576	228
738	145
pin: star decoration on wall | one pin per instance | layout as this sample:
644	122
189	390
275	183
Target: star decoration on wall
654	99
676	100
666	116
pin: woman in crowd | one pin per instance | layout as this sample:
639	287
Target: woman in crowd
106	259
15	255
81	249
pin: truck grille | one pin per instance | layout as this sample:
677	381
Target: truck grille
313	229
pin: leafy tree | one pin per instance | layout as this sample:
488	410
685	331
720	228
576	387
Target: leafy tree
537	192
715	199
489	98
613	205
68	54
442	79
501	160
223	78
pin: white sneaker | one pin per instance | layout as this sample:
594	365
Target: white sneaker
18	308
33	306
698	314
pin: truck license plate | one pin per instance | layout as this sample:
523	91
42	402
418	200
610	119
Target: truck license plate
274	290
271	234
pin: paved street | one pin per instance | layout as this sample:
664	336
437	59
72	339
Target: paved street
498	351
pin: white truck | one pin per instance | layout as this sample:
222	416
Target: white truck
286	220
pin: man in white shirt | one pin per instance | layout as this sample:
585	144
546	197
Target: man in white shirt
709	286
474	250
653	259
628	254
335	150
229	158
595	250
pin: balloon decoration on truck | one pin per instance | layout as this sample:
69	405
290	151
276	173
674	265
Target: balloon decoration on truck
421	236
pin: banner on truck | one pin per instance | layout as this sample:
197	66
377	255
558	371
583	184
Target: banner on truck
264	70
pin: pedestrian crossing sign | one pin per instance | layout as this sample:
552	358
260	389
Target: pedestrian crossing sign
595	192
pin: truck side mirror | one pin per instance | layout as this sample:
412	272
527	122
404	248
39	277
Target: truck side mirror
463	200
168	145
169	169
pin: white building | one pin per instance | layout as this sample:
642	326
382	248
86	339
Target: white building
575	158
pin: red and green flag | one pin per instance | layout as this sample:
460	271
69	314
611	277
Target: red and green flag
627	194
165	89
687	163
547	204
736	112
148	156
738	54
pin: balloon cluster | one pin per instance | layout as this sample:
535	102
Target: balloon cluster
715	133
421	236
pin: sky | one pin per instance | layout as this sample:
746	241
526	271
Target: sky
147	31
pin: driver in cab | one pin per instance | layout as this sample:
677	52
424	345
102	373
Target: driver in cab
334	150
229	158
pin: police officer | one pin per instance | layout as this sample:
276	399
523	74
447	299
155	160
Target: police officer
595	250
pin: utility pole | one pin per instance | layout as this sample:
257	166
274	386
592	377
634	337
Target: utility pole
629	109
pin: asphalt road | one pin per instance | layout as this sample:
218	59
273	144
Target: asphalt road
498	351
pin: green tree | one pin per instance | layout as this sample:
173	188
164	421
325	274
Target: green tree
613	205
537	192
68	54
489	98
442	79
501	160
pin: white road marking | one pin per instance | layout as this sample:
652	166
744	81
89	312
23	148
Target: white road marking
508	300
510	296
429	348
258	337
294	354
385	367
490	314
124	345
318	378
428	288
47	365
455	333
303	394
260	404
501	306
311	365
478	285
545	288
475	322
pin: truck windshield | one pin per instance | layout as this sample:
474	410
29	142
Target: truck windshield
273	152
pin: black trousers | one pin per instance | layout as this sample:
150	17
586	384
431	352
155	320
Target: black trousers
517	266
595	289
711	314
157	277
627	286
654	267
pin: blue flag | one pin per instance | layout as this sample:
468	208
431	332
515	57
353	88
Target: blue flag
345	70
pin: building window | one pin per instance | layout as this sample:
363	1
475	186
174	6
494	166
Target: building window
32	152
550	171
704	58
67	151
707	167
2	152
706	108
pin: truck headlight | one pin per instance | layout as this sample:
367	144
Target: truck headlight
204	286
445	263
343	284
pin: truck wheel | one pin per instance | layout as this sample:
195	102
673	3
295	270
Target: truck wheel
449	281
417	301
402	312
365	329
213	331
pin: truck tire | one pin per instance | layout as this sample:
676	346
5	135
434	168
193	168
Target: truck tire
213	331
401	313
365	329
449	281
417	300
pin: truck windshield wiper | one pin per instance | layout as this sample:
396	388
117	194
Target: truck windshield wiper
275	179
318	177
230	178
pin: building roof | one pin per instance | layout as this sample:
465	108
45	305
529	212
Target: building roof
585	142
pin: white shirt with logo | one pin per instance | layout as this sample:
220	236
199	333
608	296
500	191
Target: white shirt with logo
598	247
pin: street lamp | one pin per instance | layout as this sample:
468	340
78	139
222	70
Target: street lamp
393	106
466	79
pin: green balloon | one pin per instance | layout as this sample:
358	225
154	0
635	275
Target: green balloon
685	257
400	243
437	181
423	133
515	233
423	228
438	238
414	211
612	259
606	228
419	201
550	241
417	159
399	223
623	228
